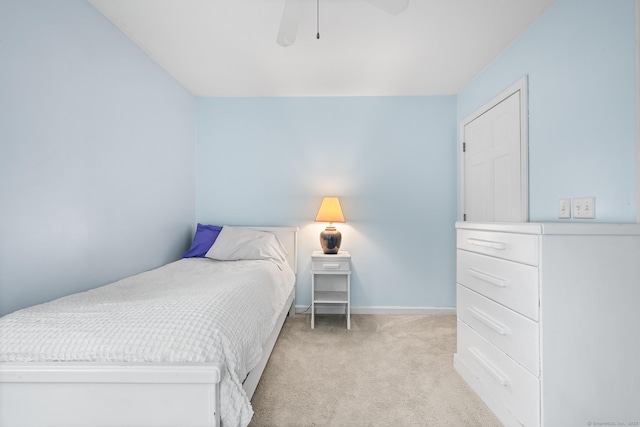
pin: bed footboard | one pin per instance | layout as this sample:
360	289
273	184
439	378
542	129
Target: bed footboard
110	394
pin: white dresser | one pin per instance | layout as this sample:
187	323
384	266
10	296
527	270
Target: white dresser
549	321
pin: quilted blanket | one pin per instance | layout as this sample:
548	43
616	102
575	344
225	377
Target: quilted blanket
192	310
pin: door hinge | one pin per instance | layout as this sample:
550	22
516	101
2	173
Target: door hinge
464	217
464	147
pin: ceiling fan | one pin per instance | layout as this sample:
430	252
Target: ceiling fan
291	17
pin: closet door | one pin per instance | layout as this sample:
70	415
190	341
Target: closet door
494	159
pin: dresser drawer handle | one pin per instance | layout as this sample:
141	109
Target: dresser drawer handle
335	266
488	244
489	278
489	321
497	375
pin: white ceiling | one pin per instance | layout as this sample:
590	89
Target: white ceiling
228	47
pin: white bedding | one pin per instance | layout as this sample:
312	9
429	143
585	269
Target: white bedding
192	310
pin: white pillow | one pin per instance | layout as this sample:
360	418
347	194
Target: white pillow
237	243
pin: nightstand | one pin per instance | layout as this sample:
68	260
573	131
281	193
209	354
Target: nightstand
331	282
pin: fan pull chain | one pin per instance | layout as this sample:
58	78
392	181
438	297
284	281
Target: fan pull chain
318	19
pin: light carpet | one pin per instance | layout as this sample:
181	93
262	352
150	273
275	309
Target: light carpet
388	370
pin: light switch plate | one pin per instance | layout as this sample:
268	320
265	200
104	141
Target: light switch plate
564	208
584	207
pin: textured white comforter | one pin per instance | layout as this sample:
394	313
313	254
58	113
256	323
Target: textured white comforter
192	310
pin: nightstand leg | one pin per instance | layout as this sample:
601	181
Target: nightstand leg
313	305
349	301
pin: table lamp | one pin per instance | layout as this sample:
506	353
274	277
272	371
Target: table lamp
330	211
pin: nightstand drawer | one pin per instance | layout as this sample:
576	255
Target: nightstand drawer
511	284
511	332
516	387
515	247
331	266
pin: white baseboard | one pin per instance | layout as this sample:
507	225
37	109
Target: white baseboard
328	309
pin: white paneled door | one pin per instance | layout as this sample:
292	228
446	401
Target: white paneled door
494	159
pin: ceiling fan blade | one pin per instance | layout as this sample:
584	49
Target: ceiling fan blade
289	23
393	7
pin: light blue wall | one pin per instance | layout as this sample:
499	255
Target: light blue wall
96	154
579	58
391	160
98	144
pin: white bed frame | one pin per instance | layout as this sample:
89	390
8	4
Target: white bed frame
127	394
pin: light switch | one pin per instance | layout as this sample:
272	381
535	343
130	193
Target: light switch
564	208
584	207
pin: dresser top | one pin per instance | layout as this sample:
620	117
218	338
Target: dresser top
551	228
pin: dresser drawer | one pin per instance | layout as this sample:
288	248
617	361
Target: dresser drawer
330	266
517	388
509	283
511	332
515	247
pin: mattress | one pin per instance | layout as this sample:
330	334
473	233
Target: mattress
192	310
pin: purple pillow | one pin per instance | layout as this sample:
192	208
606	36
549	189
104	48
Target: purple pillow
203	240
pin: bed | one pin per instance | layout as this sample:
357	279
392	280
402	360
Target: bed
168	347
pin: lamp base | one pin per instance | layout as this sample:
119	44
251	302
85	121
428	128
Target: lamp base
330	240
